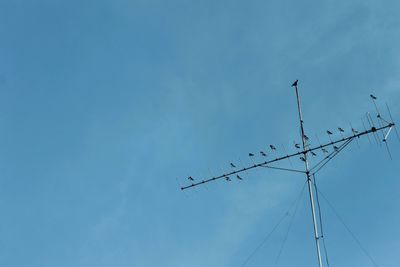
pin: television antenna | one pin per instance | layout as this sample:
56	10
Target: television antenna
379	132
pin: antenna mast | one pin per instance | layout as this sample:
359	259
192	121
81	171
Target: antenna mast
337	145
309	181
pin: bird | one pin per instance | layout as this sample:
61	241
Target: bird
251	154
263	153
190	178
233	165
340	129
312	153
227	178
372	96
336	148
306	137
297	145
295	83
329	132
303	159
272	147
324	150
238	177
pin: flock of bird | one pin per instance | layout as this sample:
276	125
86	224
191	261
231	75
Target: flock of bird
296	145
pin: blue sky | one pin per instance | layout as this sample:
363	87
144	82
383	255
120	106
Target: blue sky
107	106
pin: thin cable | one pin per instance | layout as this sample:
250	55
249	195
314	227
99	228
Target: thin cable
265	239
348	229
320	220
288	230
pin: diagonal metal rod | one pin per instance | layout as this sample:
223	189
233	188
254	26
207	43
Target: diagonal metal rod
265	163
332	156
282	169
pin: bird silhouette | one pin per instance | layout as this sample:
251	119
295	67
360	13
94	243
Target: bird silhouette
251	154
329	132
340	130
303	159
227	178
306	137
324	150
312	153
233	165
372	96
238	177
297	145
272	147
336	148
190	178
295	83
263	153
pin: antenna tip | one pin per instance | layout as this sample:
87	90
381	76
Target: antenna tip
295	83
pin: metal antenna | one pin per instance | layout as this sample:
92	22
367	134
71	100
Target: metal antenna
336	145
309	182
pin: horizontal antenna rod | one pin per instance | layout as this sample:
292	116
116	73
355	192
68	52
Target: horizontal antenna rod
263	164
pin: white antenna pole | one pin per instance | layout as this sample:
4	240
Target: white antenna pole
309	181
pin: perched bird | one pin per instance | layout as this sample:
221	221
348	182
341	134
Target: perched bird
251	154
324	150
272	147
190	178
295	83
303	159
340	130
238	177
263	153
297	145
312	153
233	165
329	132
227	178
372	96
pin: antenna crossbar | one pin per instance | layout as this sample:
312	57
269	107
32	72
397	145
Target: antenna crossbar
304	152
